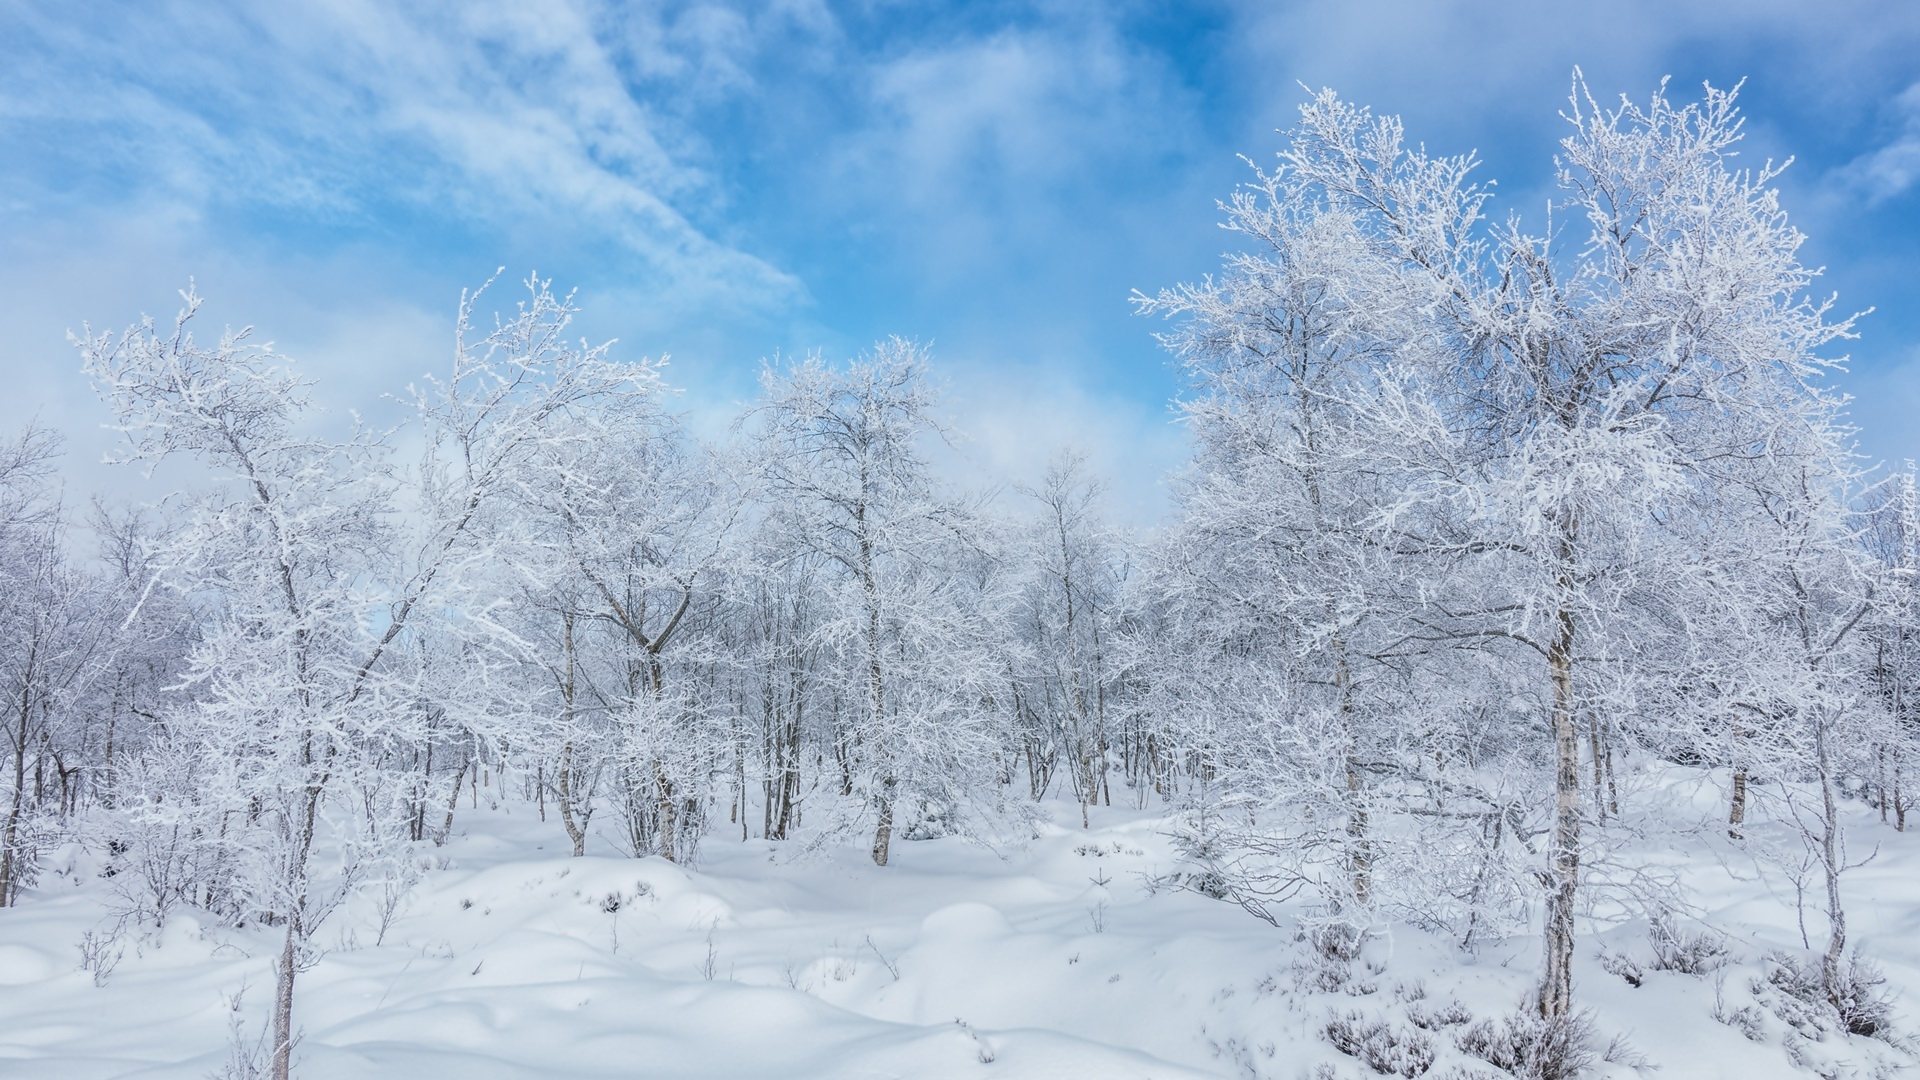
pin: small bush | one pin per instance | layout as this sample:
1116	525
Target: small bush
1337	941
1317	975
1621	1052
1676	949
100	952
1327	968
1791	991
1614	963
1865	1007
1386	1048
1860	1004
1438	1017
1747	1020
1531	1047
931	823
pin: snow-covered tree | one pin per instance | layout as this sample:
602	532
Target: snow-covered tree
313	578
1545	407
634	520
1066	571
851	496
60	627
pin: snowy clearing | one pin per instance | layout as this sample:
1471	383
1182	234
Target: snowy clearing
1056	958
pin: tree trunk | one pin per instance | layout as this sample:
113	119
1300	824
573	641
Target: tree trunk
565	791
664	810
1899	794
1359	846
283	1001
302	834
1830	866
876	702
1599	768
1613	784
883	832
1737	811
10	867
1556	984
564	796
453	803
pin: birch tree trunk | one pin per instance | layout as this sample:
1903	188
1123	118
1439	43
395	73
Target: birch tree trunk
1563	883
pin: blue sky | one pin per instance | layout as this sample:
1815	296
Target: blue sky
725	182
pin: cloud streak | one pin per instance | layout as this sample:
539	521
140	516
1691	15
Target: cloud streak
1894	168
355	114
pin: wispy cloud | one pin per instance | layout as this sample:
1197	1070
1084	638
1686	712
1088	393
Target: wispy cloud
1009	146
350	111
1894	168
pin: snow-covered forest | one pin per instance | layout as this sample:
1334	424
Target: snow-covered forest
1522	683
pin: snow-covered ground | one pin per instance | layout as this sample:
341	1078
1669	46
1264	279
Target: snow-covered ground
1054	958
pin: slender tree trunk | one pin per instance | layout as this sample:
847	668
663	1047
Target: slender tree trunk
1899	793
422	789
10	863
1599	767
1737	804
1880	780
1830	866
283	1002
1899	733
566	788
883	833
564	797
1359	845
106	767
302	831
1613	786
1496	825
664	810
789	768
876	703
1563	883
1737	811
453	803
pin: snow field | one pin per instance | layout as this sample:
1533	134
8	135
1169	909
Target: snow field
1051	959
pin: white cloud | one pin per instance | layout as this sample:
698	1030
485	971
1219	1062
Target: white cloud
1010	421
496	111
1895	167
1021	103
980	147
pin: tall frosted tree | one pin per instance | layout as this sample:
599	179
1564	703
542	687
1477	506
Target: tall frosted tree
1578	394
1282	564
1066	574
851	494
312	576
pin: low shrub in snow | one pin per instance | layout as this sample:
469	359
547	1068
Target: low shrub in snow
1532	1047
1387	1048
1437	1017
1748	1020
1619	963
1687	952
1861	1004
1676	949
1866	1006
1336	941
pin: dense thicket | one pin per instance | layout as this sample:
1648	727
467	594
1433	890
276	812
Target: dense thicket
1481	526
